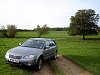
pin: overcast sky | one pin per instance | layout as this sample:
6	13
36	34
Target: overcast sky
27	14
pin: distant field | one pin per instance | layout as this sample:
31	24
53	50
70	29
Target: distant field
52	34
84	52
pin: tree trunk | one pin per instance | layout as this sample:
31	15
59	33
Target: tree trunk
83	36
39	36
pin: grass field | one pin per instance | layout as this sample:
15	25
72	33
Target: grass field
84	52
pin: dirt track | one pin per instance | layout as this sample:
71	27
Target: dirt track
66	66
70	68
46	70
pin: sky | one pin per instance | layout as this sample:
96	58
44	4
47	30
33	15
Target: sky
27	14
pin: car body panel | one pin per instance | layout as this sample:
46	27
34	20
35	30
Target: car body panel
25	51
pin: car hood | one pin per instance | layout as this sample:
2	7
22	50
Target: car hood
25	51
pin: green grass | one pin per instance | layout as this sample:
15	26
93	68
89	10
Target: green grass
55	68
52	34
5	69
84	52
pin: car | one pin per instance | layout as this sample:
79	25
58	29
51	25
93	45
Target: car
34	51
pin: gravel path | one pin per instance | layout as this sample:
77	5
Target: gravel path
70	68
66	66
46	70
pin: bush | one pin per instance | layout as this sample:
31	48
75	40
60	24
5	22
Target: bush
9	32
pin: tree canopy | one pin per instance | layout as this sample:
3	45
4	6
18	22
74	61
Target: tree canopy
85	22
9	32
42	30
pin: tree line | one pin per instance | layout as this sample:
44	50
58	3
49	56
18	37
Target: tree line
85	22
11	30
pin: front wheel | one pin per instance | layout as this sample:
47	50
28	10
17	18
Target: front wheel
39	64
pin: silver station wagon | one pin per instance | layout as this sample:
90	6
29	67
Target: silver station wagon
32	52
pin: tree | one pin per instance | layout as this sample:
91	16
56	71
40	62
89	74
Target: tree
85	22
42	30
3	31
11	30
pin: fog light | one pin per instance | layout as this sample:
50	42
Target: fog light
29	64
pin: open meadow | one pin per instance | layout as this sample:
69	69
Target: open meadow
86	53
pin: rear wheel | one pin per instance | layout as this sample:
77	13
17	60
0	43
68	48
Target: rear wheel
55	56
39	64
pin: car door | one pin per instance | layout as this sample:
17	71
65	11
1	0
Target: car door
52	48
47	50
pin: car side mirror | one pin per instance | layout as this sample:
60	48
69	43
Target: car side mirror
20	44
47	47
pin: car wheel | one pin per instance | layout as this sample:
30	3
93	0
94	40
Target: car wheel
39	64
55	56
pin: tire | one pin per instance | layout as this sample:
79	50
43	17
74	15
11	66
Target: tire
55	56
39	64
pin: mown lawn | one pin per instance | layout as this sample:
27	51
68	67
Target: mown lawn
84	52
5	69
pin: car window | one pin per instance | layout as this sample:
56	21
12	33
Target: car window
52	43
47	43
40	44
33	44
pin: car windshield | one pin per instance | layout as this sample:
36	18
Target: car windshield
33	44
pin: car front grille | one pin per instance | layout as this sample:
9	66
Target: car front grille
15	57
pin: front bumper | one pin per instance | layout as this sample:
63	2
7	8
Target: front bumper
26	62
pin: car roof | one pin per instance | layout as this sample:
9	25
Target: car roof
40	39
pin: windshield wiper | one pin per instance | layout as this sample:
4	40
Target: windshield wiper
24	46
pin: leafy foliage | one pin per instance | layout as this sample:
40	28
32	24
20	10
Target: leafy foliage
42	30
9	32
3	31
84	23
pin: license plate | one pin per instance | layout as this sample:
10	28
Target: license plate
14	60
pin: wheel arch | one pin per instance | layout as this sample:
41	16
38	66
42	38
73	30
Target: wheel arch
40	56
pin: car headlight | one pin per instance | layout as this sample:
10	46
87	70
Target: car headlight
29	56
7	55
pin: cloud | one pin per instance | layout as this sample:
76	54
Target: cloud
30	13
